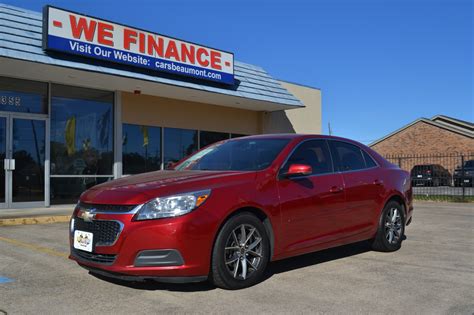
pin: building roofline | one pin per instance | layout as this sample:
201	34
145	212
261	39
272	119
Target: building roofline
465	123
428	121
304	85
252	83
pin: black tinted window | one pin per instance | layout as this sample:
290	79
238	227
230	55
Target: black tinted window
81	131
369	161
347	157
141	147
209	137
179	143
469	163
314	153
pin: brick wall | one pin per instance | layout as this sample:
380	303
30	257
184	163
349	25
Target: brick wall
423	143
425	139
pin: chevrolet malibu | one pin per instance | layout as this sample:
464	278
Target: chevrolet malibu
228	210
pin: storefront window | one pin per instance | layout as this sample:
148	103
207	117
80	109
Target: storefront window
66	190
209	137
23	96
81	137
178	143
236	135
141	147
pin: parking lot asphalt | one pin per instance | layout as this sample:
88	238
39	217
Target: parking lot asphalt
433	273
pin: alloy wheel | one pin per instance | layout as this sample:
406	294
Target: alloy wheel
243	251
393	226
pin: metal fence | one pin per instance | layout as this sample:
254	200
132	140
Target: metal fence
439	176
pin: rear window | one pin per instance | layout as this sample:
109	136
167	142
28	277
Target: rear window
346	156
369	161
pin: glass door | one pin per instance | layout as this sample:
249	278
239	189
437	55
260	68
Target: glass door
3	151
24	161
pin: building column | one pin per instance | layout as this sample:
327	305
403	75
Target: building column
117	134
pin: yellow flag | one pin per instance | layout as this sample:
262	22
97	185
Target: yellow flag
144	130
70	135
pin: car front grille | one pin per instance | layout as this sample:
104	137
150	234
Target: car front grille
105	232
105	259
106	208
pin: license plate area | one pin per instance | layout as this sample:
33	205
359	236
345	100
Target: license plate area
83	240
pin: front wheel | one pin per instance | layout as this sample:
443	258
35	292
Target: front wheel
391	228
241	253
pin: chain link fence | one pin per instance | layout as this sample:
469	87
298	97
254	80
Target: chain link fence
439	176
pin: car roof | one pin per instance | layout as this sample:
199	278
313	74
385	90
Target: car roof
293	136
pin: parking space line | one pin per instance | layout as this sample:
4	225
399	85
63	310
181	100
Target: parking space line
36	248
5	280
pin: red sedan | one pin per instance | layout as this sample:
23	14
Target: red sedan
228	210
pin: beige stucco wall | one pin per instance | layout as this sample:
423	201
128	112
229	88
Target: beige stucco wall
165	112
301	120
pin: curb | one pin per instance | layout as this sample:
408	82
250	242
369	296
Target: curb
35	220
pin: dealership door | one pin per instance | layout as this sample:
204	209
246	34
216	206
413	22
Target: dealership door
22	149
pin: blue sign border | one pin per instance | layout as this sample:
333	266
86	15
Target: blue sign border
60	44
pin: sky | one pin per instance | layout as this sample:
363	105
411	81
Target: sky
380	64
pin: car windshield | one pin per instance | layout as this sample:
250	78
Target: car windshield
469	163
235	155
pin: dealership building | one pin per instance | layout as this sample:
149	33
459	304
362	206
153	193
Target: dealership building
84	100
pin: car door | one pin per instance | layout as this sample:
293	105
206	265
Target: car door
310	205
363	186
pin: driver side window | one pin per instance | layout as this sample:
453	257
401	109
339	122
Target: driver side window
314	153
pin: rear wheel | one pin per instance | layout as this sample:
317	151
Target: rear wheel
391	228
241	253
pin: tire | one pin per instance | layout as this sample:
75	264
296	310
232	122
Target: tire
383	241
229	258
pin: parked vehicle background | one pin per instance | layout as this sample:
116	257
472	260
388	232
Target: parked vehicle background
464	175
433	175
453	162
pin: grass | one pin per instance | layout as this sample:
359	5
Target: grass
443	198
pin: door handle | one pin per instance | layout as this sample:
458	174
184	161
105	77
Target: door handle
378	182
336	189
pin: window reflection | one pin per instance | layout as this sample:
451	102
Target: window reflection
81	131
28	153
178	143
141	148
23	96
236	135
209	137
3	138
66	190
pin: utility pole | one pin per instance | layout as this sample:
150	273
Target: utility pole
329	129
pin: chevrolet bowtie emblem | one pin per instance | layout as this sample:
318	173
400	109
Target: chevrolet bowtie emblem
87	215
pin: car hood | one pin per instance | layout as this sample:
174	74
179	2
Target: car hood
140	188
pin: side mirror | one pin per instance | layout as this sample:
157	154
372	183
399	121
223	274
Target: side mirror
298	170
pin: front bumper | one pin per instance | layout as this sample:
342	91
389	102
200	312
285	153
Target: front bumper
125	277
160	249
463	180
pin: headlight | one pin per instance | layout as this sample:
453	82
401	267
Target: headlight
172	206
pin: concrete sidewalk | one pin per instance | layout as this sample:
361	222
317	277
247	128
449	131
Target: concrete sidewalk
57	213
